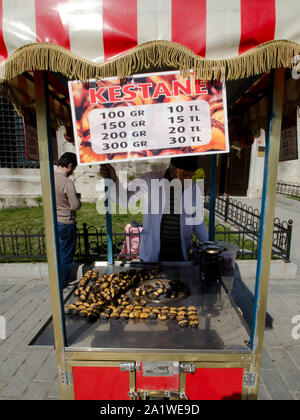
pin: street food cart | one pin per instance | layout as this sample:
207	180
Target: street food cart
44	43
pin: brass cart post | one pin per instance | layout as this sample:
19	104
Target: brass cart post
49	210
273	136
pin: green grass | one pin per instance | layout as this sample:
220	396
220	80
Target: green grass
32	218
28	218
88	214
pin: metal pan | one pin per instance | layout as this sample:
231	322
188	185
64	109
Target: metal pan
212	249
172	290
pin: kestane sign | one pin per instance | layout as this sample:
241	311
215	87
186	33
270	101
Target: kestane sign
146	116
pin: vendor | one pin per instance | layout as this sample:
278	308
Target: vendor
169	221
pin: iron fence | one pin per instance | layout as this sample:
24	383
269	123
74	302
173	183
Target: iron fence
22	244
92	243
243	230
247	221
291	189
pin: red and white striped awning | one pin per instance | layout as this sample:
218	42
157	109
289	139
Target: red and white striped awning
83	39
99	30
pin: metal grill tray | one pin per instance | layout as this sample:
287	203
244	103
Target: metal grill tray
221	326
182	290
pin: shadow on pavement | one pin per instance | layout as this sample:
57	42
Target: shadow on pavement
244	299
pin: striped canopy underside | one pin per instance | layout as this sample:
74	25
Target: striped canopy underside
100	38
98	31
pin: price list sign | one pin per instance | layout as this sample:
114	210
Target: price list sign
148	116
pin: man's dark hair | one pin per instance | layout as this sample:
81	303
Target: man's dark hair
66	159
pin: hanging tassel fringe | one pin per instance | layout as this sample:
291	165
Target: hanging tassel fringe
150	56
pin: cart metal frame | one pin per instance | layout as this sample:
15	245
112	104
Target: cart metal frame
250	361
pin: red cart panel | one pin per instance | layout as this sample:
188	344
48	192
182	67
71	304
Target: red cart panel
215	384
100	383
109	383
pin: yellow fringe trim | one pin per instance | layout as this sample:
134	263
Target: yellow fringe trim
151	56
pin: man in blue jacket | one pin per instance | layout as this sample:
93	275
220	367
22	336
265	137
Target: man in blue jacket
173	209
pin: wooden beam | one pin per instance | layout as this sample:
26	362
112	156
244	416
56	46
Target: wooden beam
49	210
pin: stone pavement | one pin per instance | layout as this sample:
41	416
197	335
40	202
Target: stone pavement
30	373
280	369
26	372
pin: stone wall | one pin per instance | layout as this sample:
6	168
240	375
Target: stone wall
22	187
288	171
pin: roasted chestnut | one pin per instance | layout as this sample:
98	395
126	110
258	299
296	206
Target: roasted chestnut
103	316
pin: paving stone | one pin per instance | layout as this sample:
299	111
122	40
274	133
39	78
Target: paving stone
4	288
296	396
294	353
32	320
19	306
37	391
2	384
13	324
287	368
36	357
11	365
270	338
11	298
275	385
263	394
6	348
19	382
19	334
48	370
267	362
283	332
279	310
54	393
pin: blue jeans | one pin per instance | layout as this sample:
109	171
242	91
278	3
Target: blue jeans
67	235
